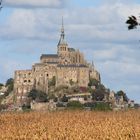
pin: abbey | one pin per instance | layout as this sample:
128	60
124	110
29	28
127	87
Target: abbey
67	65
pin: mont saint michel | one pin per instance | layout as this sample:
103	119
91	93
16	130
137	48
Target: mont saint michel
58	79
68	66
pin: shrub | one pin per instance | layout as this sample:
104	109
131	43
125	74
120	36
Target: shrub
90	90
3	107
52	82
64	99
101	106
89	104
60	105
74	104
55	99
98	106
26	107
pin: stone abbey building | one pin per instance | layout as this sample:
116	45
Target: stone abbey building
66	65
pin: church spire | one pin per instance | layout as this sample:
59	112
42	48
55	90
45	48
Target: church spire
62	29
62	36
93	67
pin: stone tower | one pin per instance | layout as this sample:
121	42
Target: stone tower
62	47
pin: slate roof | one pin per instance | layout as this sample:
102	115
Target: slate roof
49	56
52	62
81	66
71	49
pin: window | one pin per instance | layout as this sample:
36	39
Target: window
25	81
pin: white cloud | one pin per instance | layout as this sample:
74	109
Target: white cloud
22	23
120	69
104	23
28	24
34	3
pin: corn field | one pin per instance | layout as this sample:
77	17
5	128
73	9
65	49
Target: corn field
70	125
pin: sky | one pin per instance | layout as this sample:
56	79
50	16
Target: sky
29	28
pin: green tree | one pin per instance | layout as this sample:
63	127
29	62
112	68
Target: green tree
1	85
98	95
93	82
90	90
10	85
9	81
101	87
37	95
122	93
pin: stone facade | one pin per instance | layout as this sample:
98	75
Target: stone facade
68	65
23	83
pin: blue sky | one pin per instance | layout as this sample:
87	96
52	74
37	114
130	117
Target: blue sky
32	27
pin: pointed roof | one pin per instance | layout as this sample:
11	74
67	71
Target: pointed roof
93	65
62	36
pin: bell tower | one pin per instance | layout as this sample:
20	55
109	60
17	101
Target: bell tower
62	47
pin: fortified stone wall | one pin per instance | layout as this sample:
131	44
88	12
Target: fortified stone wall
65	74
40	72
75	74
83	77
